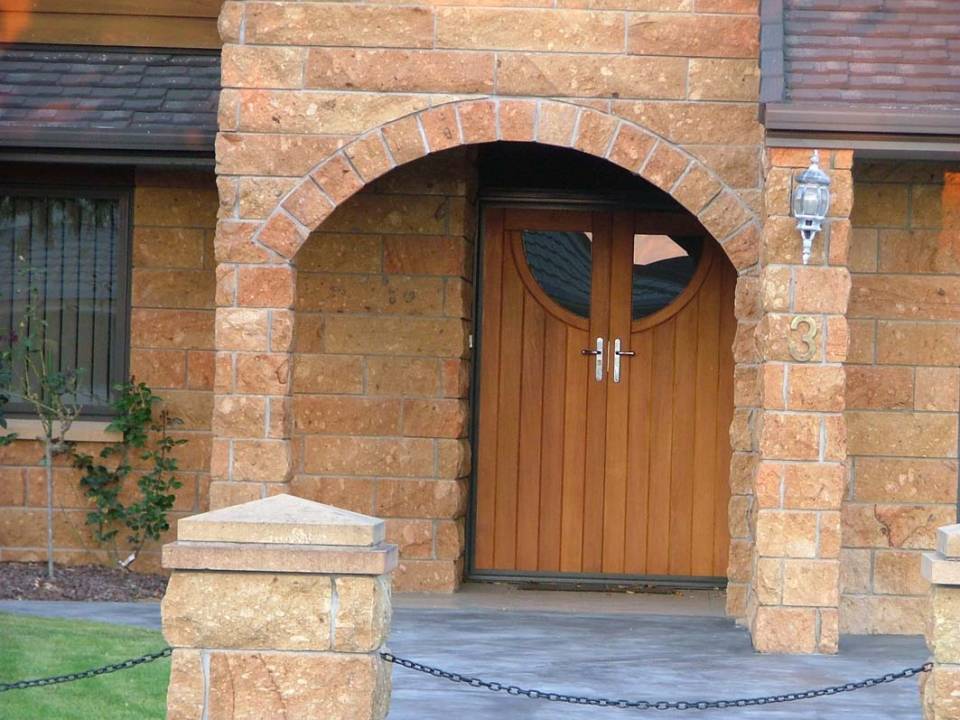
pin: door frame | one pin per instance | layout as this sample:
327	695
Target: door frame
537	200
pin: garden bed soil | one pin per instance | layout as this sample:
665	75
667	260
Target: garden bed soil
28	581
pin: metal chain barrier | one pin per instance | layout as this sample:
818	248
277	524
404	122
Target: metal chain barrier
70	677
515	690
652	704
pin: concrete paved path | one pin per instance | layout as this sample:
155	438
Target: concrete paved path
589	643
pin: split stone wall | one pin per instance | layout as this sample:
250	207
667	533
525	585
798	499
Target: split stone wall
903	388
381	368
322	99
171	348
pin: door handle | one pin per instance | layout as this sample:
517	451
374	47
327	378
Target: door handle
617	354
598	358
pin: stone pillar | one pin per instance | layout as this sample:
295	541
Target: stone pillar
252	454
800	476
278	608
940	689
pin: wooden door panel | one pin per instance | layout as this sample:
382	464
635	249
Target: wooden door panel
679	452
576	476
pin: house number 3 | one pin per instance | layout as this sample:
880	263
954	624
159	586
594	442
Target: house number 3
804	347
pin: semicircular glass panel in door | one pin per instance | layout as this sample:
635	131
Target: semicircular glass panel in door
561	263
662	269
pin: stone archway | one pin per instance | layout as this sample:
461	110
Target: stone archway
334	179
254	453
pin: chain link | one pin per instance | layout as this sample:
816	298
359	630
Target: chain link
70	677
515	690
652	704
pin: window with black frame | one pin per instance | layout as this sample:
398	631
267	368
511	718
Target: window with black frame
65	253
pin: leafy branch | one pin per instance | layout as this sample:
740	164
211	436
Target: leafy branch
104	480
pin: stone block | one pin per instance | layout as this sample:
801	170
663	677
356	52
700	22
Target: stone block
907	480
781	533
166	329
395	70
435	418
262	67
816	388
369	156
942	693
530	30
785	630
696	35
347	415
517	120
339	182
908	297
282	519
897	572
879	387
556	124
902	434
261	461
368	456
948	541
333	686
814	486
420	498
788	436
917	343
338	25
821	290
937	388
590	76
478	121
186	687
723	79
362	619
250	611
811	583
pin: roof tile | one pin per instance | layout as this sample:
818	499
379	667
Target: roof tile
166	100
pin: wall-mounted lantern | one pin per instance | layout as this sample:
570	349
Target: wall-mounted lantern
811	201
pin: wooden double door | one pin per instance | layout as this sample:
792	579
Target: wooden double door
605	394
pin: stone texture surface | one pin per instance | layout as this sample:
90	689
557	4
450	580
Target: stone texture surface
244	686
174	214
800	431
902	393
253	611
285	520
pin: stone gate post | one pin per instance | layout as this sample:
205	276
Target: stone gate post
278	608
940	689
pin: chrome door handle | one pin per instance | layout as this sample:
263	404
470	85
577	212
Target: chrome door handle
598	355
617	354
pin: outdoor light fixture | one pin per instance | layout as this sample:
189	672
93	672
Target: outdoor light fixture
811	200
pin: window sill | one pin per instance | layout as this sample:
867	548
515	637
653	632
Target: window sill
80	431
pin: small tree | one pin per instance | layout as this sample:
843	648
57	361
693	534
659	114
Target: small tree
39	383
104	482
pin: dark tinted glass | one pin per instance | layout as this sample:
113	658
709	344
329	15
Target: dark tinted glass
64	252
662	268
561	263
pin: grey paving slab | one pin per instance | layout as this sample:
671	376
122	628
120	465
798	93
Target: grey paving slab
139	614
611	652
633	657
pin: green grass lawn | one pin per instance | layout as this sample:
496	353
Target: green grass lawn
39	647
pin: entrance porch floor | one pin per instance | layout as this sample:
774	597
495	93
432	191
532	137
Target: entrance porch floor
671	646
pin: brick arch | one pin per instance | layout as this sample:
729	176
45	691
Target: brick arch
665	165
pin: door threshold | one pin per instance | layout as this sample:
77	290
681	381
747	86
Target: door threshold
647	585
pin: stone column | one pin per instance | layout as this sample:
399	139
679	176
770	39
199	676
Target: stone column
278	608
800	432
940	689
252	456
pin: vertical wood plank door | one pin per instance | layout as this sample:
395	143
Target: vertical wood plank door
602	465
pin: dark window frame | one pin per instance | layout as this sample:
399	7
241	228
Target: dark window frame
119	352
